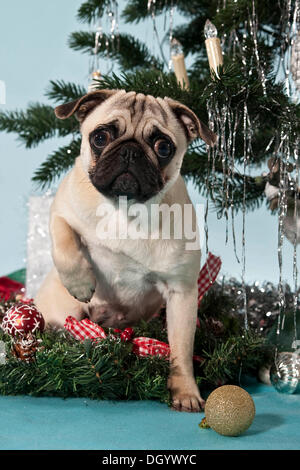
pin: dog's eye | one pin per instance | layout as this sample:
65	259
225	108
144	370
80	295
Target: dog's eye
101	138
163	148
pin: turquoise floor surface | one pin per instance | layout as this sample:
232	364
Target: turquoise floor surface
53	423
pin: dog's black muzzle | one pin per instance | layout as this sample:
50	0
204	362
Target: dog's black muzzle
127	171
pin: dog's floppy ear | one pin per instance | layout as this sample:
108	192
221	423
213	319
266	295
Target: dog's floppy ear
82	106
192	125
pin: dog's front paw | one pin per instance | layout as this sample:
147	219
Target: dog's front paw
80	285
185	394
187	402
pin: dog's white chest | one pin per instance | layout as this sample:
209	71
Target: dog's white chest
130	267
127	288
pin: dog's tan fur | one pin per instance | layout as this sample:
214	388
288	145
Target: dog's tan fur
118	282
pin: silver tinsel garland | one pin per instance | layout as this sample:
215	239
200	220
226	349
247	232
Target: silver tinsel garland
39	259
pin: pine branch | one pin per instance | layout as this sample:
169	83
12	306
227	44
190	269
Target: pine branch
36	124
136	10
242	192
128	51
91	10
144	81
268	113
196	8
211	183
60	91
233	356
233	16
56	164
103	369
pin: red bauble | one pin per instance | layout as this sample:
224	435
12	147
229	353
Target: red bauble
21	319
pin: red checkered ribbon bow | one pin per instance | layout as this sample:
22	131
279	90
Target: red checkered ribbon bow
208	274
150	347
84	329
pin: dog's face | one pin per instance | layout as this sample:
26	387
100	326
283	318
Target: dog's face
133	144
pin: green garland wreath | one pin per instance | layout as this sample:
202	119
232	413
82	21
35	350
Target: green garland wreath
107	369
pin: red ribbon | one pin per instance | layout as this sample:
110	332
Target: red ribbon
8	287
208	274
86	329
142	346
150	347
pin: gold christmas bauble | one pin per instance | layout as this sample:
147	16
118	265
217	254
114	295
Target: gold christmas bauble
229	410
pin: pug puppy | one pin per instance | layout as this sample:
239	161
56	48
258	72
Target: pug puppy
132	146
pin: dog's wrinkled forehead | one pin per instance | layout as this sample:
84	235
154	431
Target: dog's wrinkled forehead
132	112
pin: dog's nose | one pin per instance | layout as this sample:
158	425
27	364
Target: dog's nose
130	153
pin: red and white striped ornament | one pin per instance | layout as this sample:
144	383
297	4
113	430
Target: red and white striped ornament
21	319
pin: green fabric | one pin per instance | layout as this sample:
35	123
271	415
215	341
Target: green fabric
19	276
